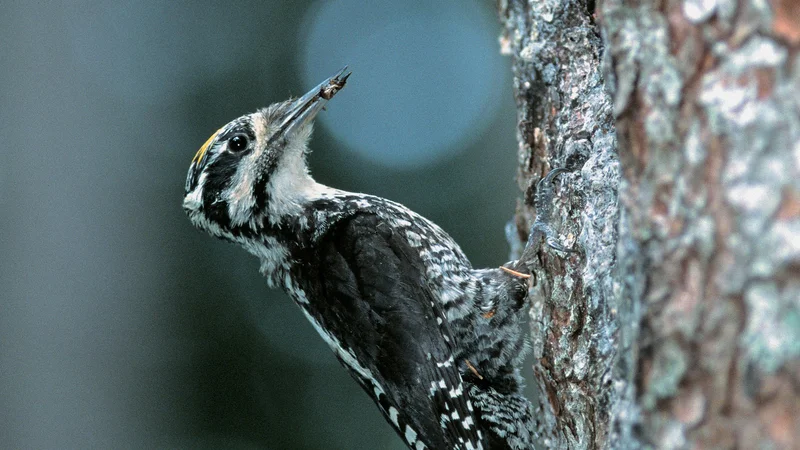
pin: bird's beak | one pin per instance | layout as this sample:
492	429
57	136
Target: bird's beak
304	109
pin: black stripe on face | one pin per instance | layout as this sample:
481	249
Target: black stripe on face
218	179
260	191
220	172
239	126
267	164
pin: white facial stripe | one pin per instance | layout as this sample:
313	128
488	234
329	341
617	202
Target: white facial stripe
194	200
239	194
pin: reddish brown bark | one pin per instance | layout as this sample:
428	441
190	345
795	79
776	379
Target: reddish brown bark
680	327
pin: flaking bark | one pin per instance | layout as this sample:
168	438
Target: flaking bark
678	324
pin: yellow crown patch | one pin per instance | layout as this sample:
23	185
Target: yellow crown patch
200	153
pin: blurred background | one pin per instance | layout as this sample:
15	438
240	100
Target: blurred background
121	326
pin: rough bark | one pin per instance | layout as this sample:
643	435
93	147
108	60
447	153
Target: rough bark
566	119
678	324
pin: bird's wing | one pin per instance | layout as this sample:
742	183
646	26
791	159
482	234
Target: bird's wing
371	297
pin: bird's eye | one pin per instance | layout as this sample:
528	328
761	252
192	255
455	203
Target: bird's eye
237	143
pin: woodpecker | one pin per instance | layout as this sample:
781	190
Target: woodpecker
435	343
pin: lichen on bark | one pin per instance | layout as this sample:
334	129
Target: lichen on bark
709	137
678	323
566	120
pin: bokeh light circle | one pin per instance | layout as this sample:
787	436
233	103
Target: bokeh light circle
403	108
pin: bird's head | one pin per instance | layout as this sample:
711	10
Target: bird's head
254	168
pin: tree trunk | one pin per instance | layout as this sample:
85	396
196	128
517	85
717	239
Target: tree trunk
678	323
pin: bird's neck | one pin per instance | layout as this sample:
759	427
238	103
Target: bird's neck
286	220
291	189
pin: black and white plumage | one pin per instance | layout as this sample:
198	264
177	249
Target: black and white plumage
435	343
